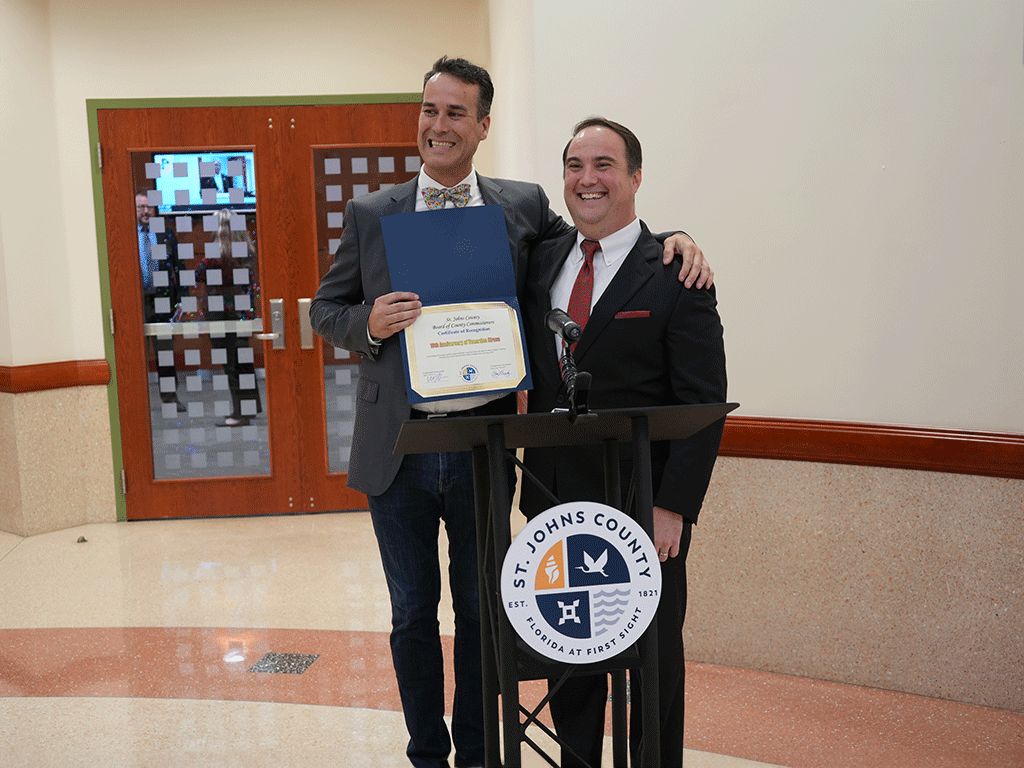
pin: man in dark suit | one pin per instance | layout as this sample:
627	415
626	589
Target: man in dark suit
356	309
647	341
219	181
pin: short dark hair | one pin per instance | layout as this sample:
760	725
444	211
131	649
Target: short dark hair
634	153
468	73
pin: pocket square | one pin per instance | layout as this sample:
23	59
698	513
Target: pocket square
633	314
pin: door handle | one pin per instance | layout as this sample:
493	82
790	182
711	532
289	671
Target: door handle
276	334
305	326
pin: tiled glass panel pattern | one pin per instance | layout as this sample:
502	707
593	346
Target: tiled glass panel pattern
343	173
199	268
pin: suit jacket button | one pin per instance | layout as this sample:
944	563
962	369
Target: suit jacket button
559	398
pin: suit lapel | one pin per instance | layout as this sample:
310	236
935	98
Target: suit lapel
403	197
637	268
493	194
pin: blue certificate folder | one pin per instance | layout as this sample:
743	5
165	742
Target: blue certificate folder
452	256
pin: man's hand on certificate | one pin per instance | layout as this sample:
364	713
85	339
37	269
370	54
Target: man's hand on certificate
695	267
392	312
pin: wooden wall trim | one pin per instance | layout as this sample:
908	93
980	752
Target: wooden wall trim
992	454
70	373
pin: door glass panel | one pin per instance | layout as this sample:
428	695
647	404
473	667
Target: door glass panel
200	282
340	174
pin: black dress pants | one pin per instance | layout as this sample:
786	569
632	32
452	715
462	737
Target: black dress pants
578	708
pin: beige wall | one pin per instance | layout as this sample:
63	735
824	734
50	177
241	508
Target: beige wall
854	171
34	305
55	465
908	581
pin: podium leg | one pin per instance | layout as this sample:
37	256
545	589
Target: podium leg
650	747
613	498
485	569
508	678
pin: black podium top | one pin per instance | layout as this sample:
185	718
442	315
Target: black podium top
537	430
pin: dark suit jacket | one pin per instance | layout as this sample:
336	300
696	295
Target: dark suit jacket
648	342
208	182
341	309
172	290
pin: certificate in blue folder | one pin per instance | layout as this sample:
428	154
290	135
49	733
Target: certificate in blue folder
469	339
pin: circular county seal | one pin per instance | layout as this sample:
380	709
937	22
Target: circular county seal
581	582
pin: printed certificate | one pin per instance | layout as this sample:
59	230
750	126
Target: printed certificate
461	349
469	338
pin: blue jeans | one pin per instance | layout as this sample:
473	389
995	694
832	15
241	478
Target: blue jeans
428	489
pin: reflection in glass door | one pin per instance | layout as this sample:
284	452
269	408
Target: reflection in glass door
340	174
200	283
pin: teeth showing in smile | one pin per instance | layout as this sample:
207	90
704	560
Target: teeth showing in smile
442	144
591	195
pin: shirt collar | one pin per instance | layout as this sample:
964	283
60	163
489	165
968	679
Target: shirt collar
615	246
425	182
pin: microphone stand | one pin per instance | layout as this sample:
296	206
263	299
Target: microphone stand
577	386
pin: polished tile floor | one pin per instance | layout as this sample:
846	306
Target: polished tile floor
263	642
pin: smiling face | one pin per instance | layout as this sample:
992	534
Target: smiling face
449	131
599	190
143	211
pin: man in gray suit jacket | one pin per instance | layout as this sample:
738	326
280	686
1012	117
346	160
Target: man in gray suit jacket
356	309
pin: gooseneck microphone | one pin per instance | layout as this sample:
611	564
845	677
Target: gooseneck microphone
563	326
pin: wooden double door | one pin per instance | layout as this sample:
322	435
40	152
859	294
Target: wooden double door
220	222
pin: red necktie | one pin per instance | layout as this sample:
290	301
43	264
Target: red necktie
583	289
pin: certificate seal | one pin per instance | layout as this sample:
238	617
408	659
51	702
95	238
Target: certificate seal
581	582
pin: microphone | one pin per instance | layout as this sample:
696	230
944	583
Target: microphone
563	326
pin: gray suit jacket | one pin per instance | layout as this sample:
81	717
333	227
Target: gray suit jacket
341	309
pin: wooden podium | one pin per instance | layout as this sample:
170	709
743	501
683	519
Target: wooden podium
506	660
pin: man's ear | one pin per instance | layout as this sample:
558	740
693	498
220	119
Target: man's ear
486	123
637	178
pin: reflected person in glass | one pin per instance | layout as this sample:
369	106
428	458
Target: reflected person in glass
228	283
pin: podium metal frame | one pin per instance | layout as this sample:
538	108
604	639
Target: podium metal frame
506	660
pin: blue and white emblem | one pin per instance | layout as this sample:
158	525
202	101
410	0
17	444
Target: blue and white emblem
469	373
581	582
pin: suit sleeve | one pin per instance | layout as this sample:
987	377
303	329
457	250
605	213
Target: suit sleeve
696	352
551	226
338	312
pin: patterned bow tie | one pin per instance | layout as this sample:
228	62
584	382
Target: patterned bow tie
436	197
